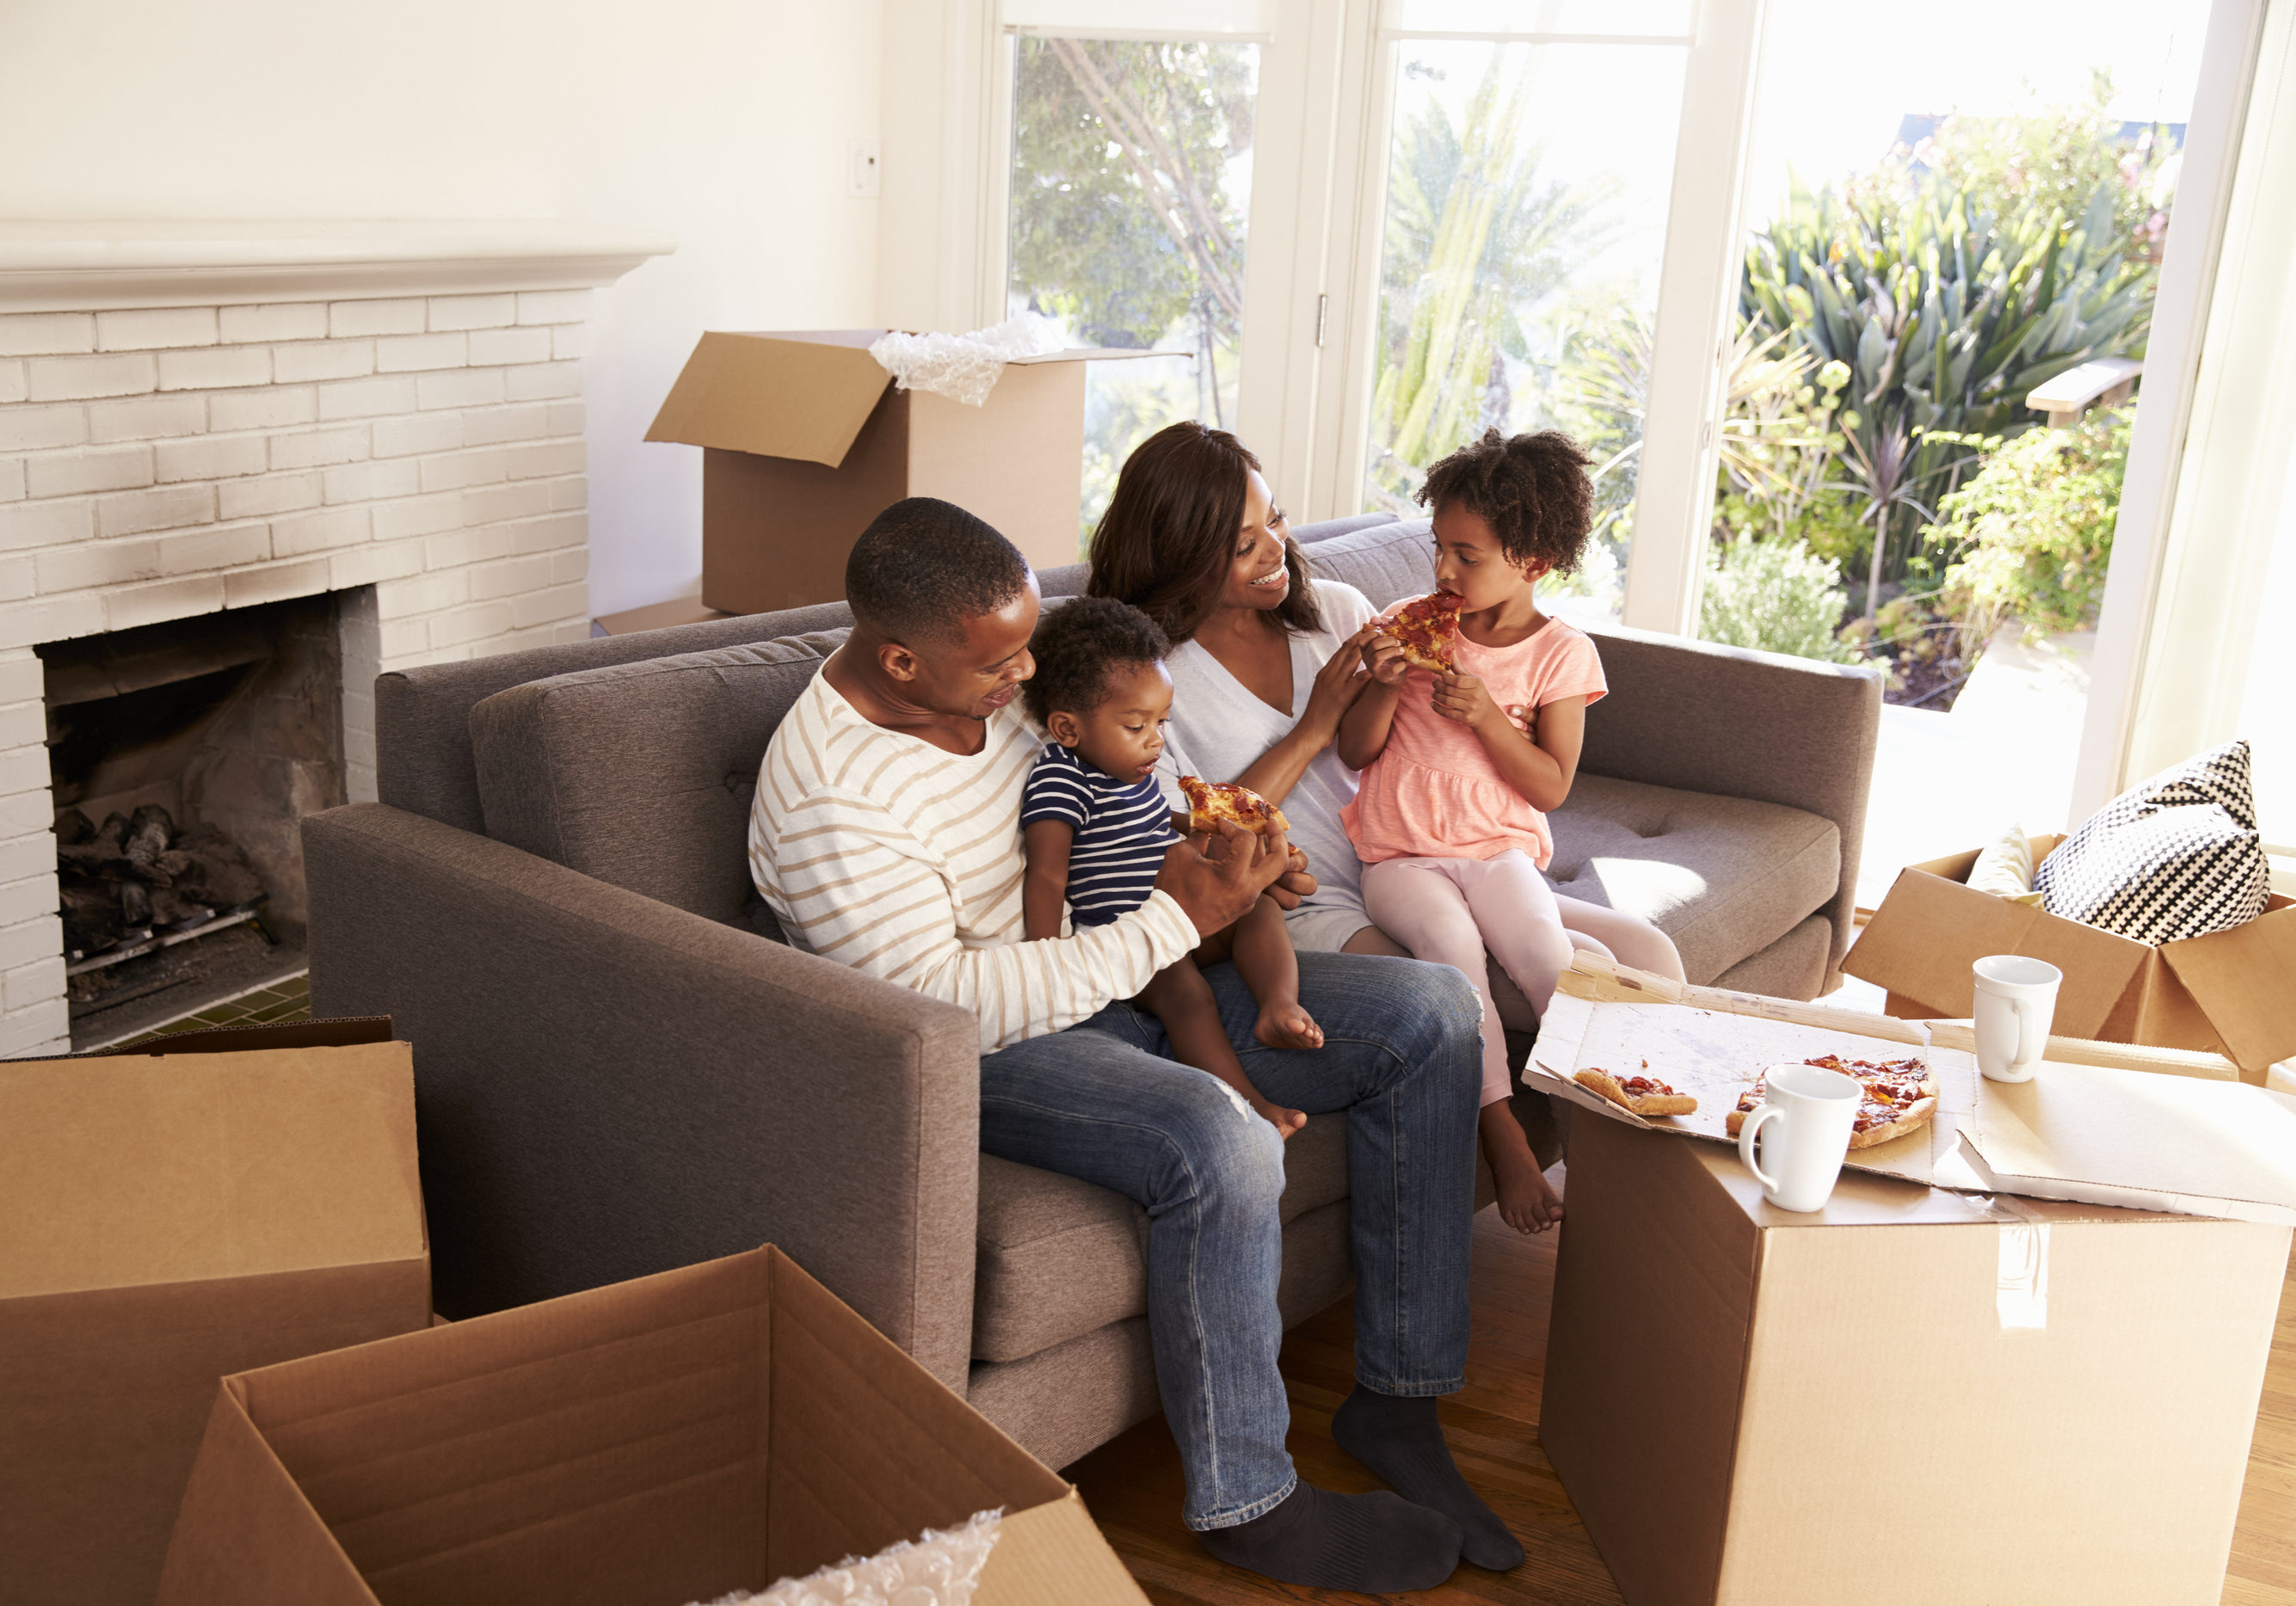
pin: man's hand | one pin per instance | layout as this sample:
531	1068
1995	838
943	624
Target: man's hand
1295	886
1216	880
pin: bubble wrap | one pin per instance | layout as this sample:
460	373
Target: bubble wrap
964	367
938	1569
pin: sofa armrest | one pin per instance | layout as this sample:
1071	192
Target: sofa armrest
608	1086
1740	724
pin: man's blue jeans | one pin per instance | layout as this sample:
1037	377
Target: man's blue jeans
1403	1057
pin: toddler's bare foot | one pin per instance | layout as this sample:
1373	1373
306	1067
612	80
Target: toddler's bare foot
1284	1024
1285	1121
1527	1202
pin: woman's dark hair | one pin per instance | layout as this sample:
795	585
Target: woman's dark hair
1532	490
1075	645
1167	541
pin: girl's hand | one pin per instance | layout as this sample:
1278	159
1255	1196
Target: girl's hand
1466	698
1382	659
1336	686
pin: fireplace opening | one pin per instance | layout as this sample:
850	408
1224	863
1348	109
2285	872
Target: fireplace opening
181	757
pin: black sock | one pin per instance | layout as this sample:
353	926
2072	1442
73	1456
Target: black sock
1373	1543
1397	1436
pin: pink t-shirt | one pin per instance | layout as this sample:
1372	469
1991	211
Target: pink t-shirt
1433	792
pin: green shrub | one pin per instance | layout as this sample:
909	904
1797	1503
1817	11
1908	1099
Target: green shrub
2031	534
1776	595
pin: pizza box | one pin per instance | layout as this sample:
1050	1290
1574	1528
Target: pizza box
2105	1123
1911	1396
2227	993
674	1438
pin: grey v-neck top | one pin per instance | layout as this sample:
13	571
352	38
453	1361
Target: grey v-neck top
1219	729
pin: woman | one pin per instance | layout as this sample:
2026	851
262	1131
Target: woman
1265	661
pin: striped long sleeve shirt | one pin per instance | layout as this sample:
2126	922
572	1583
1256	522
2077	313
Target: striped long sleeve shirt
878	850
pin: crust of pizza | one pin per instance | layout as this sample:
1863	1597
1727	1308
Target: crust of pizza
1638	1103
1916	1116
1212	801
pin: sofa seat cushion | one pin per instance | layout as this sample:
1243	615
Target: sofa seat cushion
1059	1258
1725	877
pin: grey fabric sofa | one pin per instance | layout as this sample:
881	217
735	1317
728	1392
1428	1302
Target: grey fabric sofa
619	1068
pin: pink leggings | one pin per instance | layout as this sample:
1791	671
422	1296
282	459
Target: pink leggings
1450	911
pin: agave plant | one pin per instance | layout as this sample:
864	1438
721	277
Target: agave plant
1945	316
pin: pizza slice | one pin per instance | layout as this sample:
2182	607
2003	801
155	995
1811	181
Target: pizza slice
1639	1095
1211	801
1426	627
1898	1098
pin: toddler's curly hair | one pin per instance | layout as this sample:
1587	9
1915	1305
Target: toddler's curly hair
1533	490
1075	646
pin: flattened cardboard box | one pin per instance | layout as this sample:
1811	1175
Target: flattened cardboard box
805	439
1912	1397
2229	993
228	1199
665	1440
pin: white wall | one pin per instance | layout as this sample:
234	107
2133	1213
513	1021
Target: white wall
724	122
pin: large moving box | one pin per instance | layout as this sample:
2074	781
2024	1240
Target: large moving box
669	1439
238	1198
805	439
2230	993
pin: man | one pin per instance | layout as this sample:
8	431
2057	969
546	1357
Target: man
885	836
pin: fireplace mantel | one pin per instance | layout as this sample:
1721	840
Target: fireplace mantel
59	265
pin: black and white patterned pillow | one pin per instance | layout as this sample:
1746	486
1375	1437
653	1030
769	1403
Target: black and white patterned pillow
2178	857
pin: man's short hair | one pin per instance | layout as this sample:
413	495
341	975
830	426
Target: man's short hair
924	566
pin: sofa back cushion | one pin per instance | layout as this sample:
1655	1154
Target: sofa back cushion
1386	561
640	774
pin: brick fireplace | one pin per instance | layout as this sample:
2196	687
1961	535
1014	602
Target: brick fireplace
389	416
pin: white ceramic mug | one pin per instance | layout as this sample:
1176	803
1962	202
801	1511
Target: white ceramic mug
2016	1002
1805	1116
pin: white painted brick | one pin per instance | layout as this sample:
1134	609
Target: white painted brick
460	388
546	460
552	306
569	564
44	523
145	328
36	983
569	340
46	333
465	469
472	312
43	1030
547	534
91	564
417	516
520	499
24	768
85	377
318	449
23	678
134	605
322	359
76	473
366	398
492	426
405	353
169	507
147	417
509	577
29	853
404	642
278	321
224	547
316	532
30	941
30	813
369	482
213	457
546	607
272	493
422	593
22	724
220	368
28	898
405	436
34	429
273	407
11	479
19	579
459	548
461	626
566	418
543	381
569	496
374	317
51	620
373	564
246	586
13	386
527	345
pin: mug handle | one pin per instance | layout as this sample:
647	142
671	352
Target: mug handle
1746	1144
2029	1020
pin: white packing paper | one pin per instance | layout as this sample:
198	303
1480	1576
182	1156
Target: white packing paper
941	1568
964	367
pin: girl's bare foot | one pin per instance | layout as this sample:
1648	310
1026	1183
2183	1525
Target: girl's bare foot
1527	1202
1284	1024
1285	1121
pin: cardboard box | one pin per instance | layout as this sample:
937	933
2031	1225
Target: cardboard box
656	616
669	1439
2229	993
805	440
229	1199
1912	1397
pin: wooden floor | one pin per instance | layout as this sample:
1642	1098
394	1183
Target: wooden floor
1133	1484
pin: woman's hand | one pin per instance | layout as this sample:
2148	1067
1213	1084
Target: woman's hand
1463	698
1524	718
1382	659
1336	686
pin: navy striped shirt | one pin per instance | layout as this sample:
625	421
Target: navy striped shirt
1121	833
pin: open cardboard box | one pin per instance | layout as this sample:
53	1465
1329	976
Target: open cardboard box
222	1200
666	1440
2229	993
805	439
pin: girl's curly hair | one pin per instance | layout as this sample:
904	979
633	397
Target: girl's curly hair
1533	490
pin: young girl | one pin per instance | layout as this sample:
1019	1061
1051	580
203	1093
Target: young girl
1462	769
